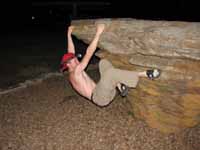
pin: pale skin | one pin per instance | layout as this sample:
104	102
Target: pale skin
78	78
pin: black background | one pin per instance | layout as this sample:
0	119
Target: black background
19	14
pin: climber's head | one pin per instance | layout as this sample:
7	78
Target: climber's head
69	62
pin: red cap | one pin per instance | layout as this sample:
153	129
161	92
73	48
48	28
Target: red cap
65	58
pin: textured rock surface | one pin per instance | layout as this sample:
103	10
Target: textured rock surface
172	102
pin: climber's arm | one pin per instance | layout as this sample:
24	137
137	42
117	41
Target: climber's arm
91	48
70	43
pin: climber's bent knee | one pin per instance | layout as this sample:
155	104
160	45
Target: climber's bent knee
99	102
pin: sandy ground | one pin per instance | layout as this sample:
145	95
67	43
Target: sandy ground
51	116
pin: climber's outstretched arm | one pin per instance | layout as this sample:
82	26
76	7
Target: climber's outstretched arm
92	47
70	43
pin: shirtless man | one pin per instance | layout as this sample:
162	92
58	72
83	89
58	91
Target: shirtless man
111	78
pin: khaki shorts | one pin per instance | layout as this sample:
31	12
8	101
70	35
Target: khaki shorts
105	89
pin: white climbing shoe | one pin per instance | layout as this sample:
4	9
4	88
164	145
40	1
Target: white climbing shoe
154	73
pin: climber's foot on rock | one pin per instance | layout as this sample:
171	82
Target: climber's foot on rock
123	89
153	73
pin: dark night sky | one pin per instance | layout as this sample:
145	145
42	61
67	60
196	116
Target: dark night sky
155	9
172	9
20	13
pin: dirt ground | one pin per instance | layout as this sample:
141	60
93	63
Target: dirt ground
51	116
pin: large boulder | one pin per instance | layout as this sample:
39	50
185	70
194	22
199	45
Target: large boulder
172	102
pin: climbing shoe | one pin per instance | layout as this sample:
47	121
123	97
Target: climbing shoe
154	73
123	90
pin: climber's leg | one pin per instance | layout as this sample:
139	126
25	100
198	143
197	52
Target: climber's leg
105	90
111	78
151	74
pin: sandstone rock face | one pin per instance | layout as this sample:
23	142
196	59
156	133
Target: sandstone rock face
172	102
